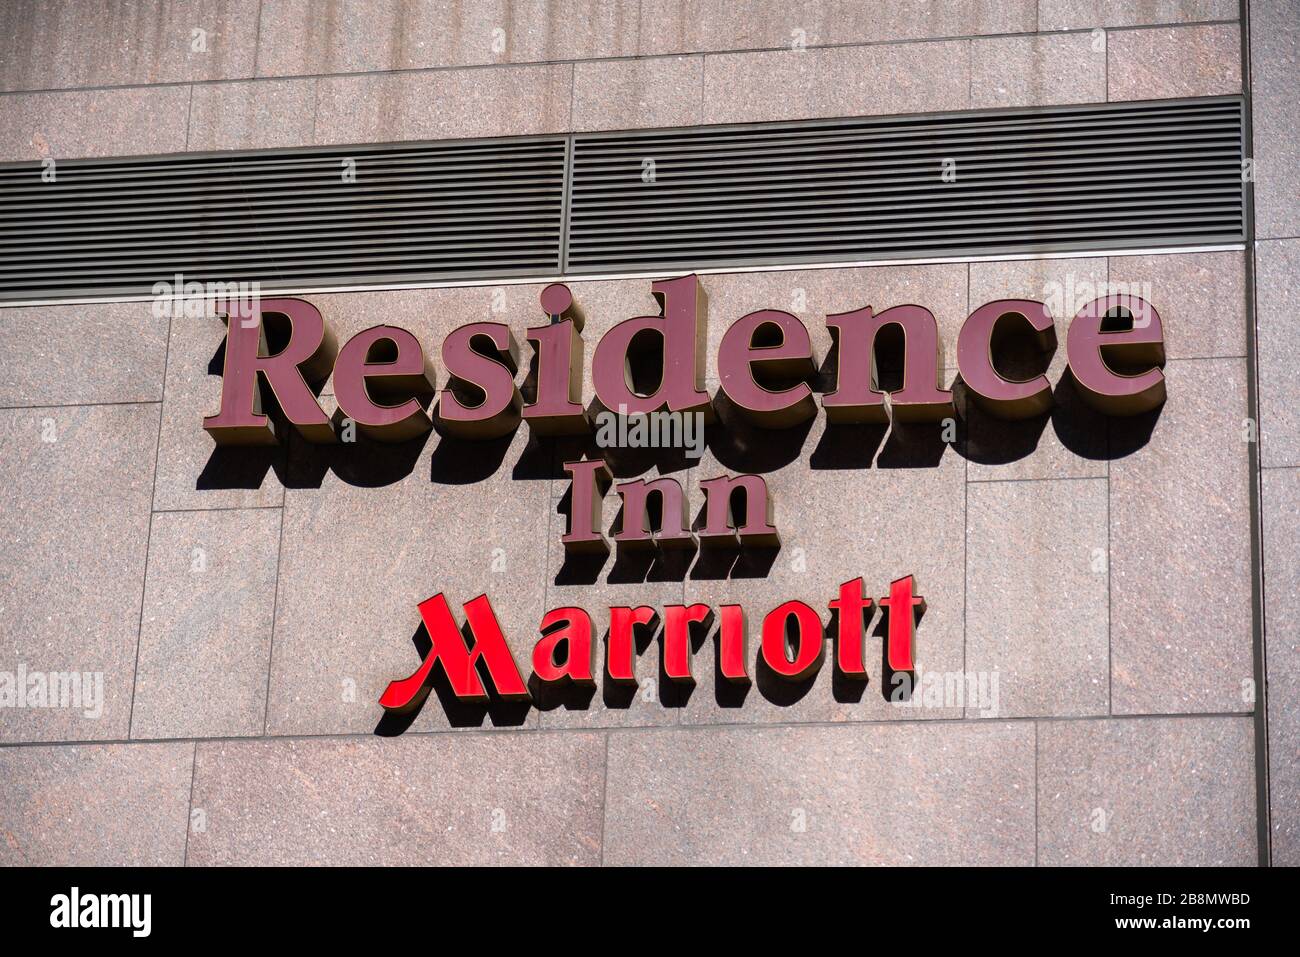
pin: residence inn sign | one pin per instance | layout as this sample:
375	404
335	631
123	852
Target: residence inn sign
384	383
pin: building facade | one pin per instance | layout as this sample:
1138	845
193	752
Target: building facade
1106	667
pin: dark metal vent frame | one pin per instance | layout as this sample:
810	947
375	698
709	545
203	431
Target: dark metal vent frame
954	185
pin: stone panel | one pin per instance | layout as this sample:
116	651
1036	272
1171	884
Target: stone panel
1174	792
74	523
928	794
426	799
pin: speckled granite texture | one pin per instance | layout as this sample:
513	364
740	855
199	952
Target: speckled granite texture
246	609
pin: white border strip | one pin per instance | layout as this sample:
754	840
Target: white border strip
655	274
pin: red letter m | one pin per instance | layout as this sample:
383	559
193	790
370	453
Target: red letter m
458	660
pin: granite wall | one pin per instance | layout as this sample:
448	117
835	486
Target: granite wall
246	609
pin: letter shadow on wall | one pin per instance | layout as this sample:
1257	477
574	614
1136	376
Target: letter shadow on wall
902	445
499	711
369	463
364	463
1080	429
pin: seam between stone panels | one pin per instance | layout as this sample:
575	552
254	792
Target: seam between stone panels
483	734
573	92
552	503
189	813
970	99
1110	553
1045	478
1110	601
189	118
1259	648
77	405
604	800
902	41
640	26
315	107
217	508
704	65
257	39
1036	793
704	85
1105	69
965	575
965	536
148	541
275	608
1259	656
1239	358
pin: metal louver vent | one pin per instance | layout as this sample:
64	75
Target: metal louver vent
1107	176
284	218
1100	177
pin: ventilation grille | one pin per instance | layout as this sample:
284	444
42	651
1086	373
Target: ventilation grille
284	218
1098	177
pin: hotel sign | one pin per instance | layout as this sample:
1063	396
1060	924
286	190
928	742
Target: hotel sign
385	384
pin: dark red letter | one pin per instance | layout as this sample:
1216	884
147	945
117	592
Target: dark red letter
682	327
557	384
473	373
983	330
384	362
719	522
590	480
778	343
1089	345
857	397
672	531
307	357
